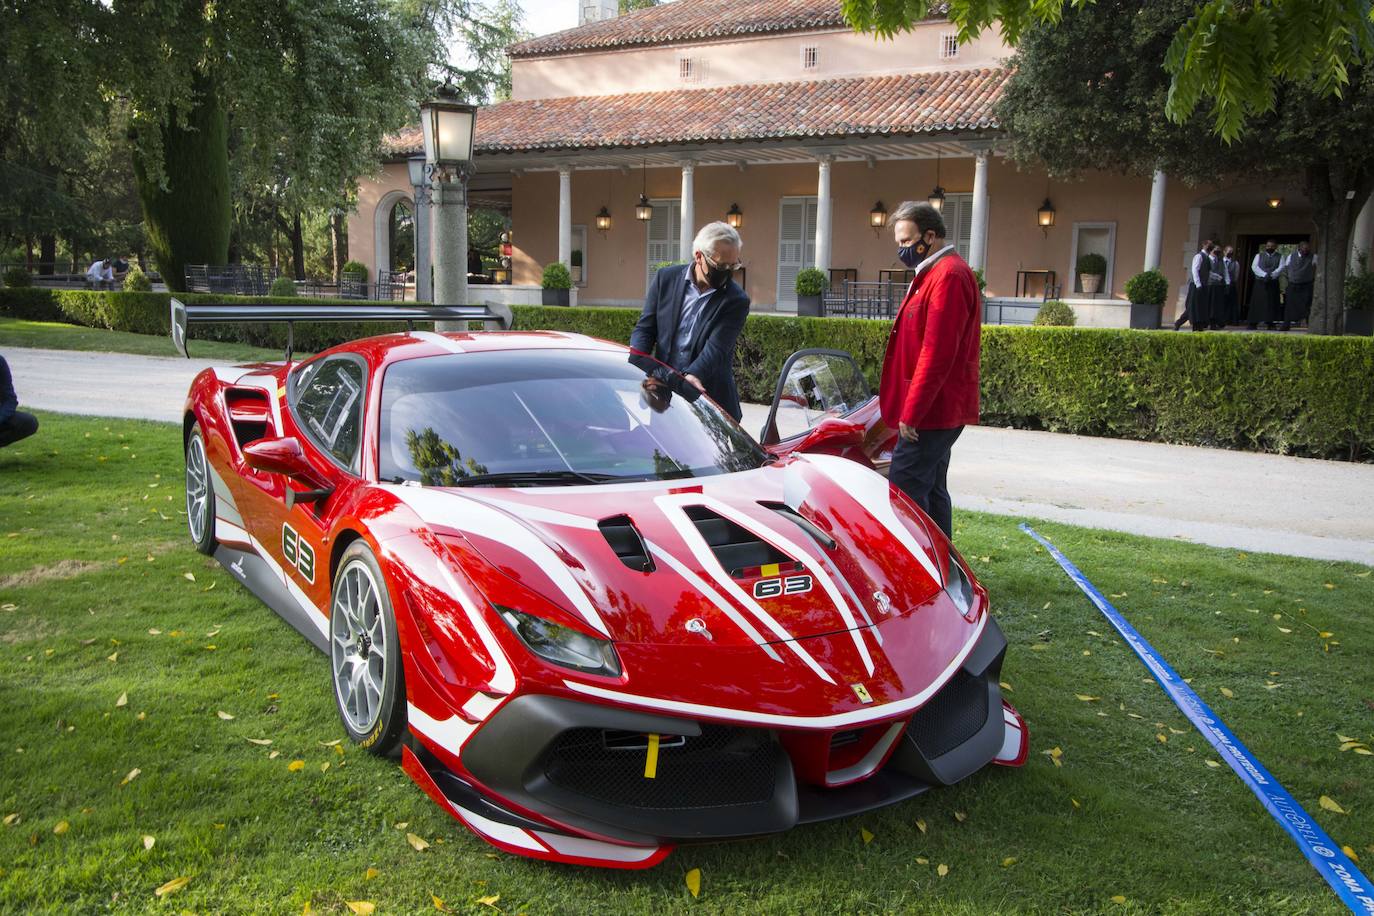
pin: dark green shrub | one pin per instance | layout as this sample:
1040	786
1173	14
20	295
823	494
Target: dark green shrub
556	276
30	303
282	288
357	268
1359	285
18	278
810	282
1149	287
978	275
136	281
1055	314
1092	263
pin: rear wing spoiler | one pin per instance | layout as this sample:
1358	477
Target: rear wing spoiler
184	315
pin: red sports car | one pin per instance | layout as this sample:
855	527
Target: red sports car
595	616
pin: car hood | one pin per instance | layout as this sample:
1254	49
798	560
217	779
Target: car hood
861	556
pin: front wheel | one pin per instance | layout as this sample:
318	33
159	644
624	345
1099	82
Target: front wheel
200	493
365	654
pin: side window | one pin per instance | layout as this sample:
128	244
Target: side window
329	404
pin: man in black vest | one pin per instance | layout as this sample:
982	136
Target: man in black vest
1264	296
1216	290
1232	267
1301	267
1195	308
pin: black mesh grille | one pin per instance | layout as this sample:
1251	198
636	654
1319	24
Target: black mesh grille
722	767
952	716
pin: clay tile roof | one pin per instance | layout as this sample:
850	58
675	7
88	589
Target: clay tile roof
691	20
900	105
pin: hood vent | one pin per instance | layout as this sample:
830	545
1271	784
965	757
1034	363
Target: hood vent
735	548
805	524
624	539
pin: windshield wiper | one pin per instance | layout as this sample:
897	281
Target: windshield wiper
515	478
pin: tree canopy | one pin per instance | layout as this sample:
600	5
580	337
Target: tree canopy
1237	54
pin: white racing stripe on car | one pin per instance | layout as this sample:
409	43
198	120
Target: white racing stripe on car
837	720
539	513
269	385
671	505
503	681
595	849
319	619
713	596
1011	738
481	706
873	631
229	532
478	517
504	833
439	340
450	733
874	493
865	767
785	544
228	374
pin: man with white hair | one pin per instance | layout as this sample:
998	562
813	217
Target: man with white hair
693	316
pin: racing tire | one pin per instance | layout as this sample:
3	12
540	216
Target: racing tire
200	493
365	654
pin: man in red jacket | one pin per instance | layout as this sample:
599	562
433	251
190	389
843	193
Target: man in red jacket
929	388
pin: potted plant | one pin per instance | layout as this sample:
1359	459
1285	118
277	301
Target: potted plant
1359	299
577	265
1092	267
1055	314
1147	291
557	281
810	288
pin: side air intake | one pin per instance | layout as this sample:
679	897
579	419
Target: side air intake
624	539
735	548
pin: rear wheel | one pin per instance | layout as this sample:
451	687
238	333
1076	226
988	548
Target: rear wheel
200	494
365	654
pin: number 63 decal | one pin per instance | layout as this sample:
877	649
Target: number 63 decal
789	585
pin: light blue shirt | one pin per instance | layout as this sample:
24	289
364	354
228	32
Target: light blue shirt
693	300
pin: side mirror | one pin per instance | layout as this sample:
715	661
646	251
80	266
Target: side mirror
278	456
832	436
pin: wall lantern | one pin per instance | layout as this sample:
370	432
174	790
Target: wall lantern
877	217
447	125
1274	202
734	216
603	219
416	167
643	211
936	198
1044	217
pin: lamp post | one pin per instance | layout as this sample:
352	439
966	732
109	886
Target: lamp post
420	182
448	126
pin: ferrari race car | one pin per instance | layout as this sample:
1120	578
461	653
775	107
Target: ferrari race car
595	617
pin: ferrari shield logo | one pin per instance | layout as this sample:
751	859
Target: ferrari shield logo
862	693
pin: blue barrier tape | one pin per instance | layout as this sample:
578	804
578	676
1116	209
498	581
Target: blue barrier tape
1354	889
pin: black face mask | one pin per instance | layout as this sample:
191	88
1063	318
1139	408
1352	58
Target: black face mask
913	254
716	276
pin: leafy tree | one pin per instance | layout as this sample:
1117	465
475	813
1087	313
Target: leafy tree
1090	93
629	6
1238	53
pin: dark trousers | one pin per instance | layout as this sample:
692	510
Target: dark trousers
20	426
919	468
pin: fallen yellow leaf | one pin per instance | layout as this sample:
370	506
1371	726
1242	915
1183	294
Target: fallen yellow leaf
942	869
1163	739
1118	899
113	657
920	825
418	844
171	887
370	874
1227	692
324	767
61	827
1285	630
1009	861
921	860
1005	686
261	742
1364	751
333	743
1350	852
1212	763
1330	804
438	904
1056	755
227	717
361	907
489	901
960	816
189	576
1352	744
274	755
122	701
1075	802
133	774
12	819
866	834
693	879
148	841
1085	698
295	766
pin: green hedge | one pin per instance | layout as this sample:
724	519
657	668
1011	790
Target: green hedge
1290	394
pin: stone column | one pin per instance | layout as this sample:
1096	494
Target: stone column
1154	227
424	291
978	230
823	220
1363	236
450	246
688	226
565	215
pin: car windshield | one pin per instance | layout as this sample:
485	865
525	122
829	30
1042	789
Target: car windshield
550	417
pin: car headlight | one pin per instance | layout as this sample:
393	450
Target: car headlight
958	586
562	645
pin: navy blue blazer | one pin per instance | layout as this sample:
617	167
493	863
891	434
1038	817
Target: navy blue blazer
710	351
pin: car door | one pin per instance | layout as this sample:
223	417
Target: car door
823	404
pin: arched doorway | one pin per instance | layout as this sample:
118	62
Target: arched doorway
401	235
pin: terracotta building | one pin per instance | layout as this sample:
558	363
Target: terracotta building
776	112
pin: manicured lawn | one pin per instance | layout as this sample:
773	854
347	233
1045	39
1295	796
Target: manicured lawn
97	604
55	336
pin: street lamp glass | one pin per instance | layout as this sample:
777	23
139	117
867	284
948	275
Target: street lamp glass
1044	217
1275	203
447	125
603	219
643	211
937	198
734	216
877	217
416	166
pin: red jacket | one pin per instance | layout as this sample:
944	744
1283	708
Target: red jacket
930	372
